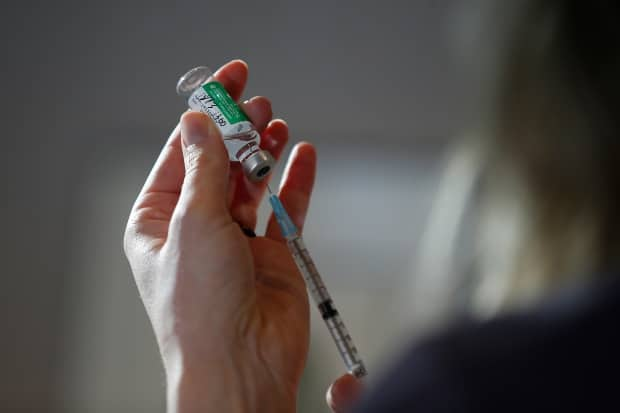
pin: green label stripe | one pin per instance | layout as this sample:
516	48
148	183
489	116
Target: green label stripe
231	111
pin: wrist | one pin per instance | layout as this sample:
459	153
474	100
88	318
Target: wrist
225	383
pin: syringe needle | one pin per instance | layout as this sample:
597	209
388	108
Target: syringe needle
269	189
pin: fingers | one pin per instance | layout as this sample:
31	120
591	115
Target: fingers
168	172
233	76
296	187
343	393
275	137
205	184
258	110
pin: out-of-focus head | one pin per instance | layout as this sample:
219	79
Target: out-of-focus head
555	112
545	159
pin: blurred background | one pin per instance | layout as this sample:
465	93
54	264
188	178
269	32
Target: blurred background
88	101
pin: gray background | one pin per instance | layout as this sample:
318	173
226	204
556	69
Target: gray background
88	99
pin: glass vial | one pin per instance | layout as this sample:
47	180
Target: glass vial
242	140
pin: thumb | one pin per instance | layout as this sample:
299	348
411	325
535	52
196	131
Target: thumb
205	185
343	393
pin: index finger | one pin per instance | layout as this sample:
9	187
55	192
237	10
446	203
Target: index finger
233	76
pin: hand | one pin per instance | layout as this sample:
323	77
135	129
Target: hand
230	313
343	393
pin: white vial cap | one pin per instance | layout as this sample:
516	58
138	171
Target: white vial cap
192	80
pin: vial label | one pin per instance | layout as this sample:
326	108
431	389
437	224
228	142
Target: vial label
240	136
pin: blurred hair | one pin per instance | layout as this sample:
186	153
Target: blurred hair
543	170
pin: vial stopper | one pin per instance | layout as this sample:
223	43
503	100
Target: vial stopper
258	165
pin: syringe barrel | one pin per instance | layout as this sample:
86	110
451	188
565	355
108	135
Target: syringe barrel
330	314
311	275
345	345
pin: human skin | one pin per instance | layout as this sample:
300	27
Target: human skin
230	313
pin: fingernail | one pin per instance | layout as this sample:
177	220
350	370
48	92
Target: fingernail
248	232
195	128
345	390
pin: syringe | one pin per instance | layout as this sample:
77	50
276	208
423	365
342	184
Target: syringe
316	287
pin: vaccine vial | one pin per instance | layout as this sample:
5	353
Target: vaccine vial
242	140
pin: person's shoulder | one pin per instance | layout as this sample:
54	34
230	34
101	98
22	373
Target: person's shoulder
558	355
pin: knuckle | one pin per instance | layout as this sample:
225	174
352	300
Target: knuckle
136	232
198	161
191	218
266	102
189	214
128	237
193	157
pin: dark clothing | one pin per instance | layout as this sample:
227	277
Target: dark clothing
563	356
